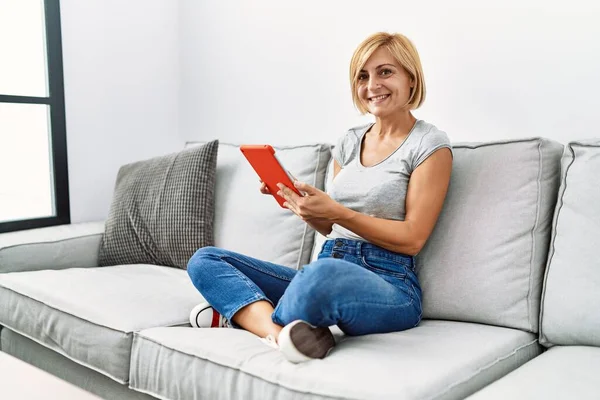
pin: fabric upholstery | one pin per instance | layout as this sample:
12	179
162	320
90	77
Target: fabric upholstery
437	360
89	314
162	209
67	370
571	299
563	372
485	259
253	224
57	247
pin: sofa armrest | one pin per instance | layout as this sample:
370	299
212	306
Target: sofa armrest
57	247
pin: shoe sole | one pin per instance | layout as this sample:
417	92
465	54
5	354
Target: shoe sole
311	341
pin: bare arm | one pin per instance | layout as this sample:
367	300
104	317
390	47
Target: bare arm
427	190
321	225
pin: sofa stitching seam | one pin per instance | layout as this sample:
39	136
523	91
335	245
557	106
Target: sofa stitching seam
51	242
70	357
142	336
485	368
56	309
533	231
151	393
496	143
553	238
60	351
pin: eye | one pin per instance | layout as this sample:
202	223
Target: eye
362	77
385	72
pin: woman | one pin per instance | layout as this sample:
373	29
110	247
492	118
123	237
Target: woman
390	181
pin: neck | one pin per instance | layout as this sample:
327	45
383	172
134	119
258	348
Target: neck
398	124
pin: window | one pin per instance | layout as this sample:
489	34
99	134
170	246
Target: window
34	189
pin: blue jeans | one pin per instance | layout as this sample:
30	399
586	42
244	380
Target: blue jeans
360	287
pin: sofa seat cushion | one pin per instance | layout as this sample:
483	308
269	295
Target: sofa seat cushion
563	372
89	314
438	359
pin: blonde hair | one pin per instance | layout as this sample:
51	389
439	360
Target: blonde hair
405	53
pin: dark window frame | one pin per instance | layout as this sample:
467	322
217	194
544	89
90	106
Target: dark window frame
56	101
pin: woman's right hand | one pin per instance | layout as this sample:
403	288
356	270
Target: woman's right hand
263	188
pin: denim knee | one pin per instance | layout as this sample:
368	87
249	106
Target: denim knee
311	292
197	265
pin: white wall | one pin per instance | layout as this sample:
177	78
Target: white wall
142	76
121	78
276	71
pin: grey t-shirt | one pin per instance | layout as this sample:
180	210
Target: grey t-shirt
380	190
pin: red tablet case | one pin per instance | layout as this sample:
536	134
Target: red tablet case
271	172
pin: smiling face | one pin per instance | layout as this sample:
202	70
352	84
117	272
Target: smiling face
383	86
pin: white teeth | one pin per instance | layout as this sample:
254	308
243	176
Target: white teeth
383	96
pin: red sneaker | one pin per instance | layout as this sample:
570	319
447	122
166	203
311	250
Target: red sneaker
204	316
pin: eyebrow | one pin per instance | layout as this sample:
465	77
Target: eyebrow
379	66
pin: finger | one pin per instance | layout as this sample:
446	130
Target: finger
288	196
292	207
264	189
282	193
288	193
305	187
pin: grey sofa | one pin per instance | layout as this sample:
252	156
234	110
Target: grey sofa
510	280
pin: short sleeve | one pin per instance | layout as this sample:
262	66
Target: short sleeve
430	142
339	152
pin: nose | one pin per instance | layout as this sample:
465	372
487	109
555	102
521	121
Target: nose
373	82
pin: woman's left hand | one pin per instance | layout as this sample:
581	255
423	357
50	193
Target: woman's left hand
314	204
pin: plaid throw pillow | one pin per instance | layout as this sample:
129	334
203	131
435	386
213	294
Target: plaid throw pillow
162	209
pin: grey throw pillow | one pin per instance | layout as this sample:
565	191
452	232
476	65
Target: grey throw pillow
162	209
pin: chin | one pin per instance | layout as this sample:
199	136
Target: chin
379	112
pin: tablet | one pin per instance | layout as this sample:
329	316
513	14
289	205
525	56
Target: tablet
264	161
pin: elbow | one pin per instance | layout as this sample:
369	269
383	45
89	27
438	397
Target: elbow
417	246
410	249
416	240
418	237
413	248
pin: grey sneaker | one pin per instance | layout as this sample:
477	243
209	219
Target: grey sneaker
204	316
299	341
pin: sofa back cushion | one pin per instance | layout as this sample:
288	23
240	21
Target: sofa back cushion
251	223
485	259
570	312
